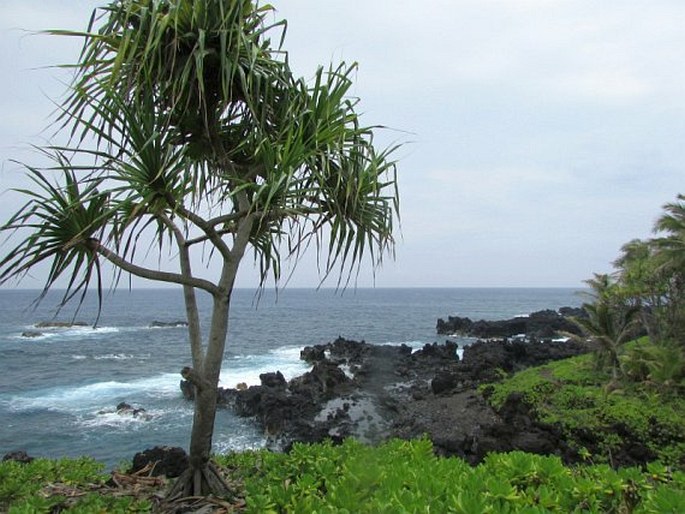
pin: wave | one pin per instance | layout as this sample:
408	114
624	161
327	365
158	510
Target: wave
35	332
81	398
59	333
99	395
113	357
247	368
244	436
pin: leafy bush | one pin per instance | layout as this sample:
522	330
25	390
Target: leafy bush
575	396
44	486
406	476
396	477
661	366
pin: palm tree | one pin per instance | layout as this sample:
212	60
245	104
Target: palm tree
672	222
187	127
671	253
610	322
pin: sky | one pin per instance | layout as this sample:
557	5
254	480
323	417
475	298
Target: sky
539	135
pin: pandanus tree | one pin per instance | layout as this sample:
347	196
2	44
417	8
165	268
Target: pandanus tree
186	127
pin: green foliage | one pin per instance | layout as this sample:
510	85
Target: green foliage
395	477
19	480
573	395
661	366
406	476
22	488
610	321
647	289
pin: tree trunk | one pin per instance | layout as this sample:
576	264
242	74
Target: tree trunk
202	478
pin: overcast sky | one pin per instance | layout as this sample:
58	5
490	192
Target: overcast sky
541	135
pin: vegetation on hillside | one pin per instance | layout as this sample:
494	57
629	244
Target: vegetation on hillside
645	295
601	420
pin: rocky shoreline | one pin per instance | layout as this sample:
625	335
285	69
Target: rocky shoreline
374	393
543	324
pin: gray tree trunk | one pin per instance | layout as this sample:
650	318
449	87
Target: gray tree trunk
202	478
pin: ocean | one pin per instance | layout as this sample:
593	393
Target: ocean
59	388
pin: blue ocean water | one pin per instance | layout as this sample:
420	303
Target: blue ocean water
59	390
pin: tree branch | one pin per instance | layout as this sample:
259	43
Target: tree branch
190	300
150	274
208	229
202	239
226	218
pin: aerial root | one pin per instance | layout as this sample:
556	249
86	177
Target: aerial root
203	481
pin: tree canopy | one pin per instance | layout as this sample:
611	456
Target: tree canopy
644	296
186	126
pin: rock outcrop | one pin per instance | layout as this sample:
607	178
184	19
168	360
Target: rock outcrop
375	392
168	324
545	324
19	456
167	461
60	324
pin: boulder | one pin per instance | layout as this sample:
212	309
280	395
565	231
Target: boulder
188	391
272	380
167	461
31	334
125	409
18	456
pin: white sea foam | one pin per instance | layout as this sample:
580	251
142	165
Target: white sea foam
121	357
113	357
247	368
113	419
239	443
414	345
244	435
98	395
61	333
346	369
152	419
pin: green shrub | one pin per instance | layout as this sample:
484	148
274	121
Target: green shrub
395	477
24	488
406	476
575	396
21	480
661	366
